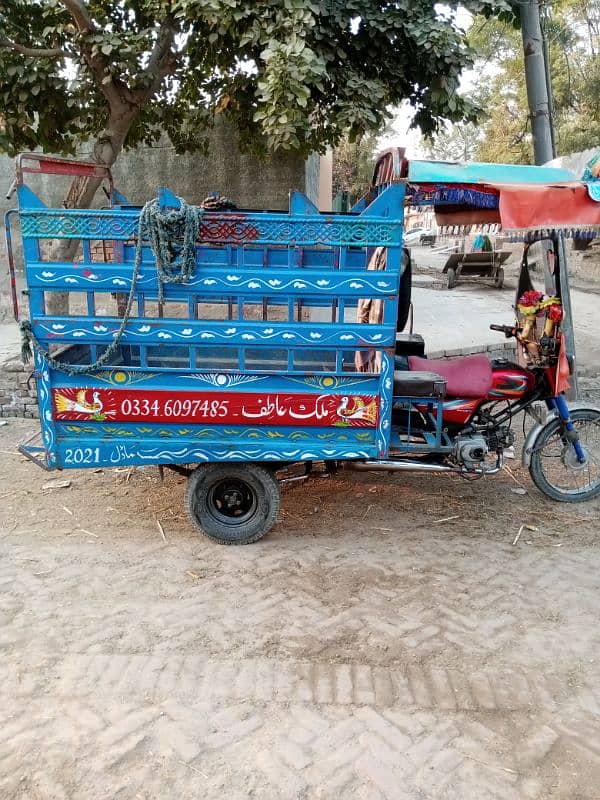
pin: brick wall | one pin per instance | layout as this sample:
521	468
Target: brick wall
16	399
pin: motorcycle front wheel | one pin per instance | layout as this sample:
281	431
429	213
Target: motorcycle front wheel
554	467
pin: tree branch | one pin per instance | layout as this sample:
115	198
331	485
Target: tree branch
160	62
98	64
34	52
80	14
161	48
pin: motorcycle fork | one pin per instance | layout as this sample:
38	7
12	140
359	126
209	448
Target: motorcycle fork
559	404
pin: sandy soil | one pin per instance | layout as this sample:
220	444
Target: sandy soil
386	640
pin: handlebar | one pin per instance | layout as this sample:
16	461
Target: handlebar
507	330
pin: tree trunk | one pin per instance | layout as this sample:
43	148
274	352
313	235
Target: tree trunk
82	192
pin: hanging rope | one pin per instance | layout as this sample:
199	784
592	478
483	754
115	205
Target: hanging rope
174	264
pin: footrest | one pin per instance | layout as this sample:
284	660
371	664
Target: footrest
419	384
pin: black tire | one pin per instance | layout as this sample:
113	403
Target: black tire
499	279
451	278
405	292
551	450
232	503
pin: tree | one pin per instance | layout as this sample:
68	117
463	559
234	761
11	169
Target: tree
288	73
571	28
354	162
454	143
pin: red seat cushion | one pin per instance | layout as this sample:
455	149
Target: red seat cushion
470	376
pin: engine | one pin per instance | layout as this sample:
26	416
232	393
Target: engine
470	450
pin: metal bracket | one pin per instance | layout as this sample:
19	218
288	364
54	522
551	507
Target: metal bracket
31	452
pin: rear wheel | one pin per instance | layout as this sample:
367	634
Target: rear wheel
451	278
232	503
554	467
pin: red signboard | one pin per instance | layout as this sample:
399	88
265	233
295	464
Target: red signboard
217	408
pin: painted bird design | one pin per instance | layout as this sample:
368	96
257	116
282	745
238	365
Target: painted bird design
80	405
358	410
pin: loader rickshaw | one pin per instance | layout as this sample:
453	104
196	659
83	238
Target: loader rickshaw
224	343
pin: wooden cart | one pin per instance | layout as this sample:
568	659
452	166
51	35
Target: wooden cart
477	266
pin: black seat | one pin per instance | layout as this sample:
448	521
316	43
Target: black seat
419	384
409	344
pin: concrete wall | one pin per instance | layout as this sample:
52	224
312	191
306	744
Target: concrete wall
250	182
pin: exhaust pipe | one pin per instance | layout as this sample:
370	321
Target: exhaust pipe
420	466
400	466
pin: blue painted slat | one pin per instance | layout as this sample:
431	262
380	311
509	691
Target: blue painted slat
92	452
305	436
255	228
83	330
130	378
113	277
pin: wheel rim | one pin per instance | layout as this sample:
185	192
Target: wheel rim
231	501
559	463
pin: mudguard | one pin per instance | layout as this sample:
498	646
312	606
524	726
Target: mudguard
531	438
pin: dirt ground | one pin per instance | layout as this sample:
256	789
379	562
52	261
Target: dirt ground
388	639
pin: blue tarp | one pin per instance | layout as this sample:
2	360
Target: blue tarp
448	172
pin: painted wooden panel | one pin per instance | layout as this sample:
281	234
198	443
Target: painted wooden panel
241	408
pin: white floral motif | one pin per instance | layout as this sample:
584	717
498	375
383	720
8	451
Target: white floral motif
144	329
186	332
46	274
164	335
71	280
119	282
230	331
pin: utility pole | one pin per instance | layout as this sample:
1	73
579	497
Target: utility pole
539	94
538	90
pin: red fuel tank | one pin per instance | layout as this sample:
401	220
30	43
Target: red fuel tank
509	381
